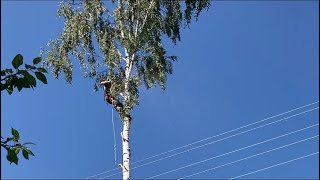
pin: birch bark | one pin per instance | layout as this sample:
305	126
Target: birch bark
126	122
126	149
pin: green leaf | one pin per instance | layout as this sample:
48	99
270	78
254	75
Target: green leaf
17	61
10	89
43	70
31	80
25	154
16	150
41	77
36	60
9	139
19	87
25	82
8	71
3	73
12	157
4	86
20	84
15	134
29	66
28	151
12	81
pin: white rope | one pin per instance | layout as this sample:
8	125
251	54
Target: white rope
248	157
187	145
114	148
200	146
286	162
114	139
240	149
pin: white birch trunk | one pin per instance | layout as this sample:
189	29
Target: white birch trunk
126	125
126	120
126	149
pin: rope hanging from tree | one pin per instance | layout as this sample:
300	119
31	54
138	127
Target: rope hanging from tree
114	138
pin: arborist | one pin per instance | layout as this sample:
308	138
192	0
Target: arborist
107	96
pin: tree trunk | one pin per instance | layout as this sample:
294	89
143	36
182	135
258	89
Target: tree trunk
126	120
126	149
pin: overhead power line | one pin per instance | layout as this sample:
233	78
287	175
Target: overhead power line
279	164
214	136
240	149
249	157
212	142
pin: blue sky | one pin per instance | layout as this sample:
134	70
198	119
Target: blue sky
241	62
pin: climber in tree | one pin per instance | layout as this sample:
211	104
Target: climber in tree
107	96
106	87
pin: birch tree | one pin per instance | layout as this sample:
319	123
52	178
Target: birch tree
122	41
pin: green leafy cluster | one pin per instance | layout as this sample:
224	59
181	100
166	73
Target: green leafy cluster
130	39
21	78
13	147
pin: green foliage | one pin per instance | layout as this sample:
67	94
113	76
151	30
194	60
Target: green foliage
17	61
41	77
15	134
130	40
36	60
22	78
19	79
13	147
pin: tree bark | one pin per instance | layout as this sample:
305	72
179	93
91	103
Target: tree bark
126	149
126	120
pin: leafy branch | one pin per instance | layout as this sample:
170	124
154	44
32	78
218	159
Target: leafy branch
22	78
19	79
13	147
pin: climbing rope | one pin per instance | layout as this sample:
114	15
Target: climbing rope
114	138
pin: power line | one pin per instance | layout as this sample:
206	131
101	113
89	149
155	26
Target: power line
240	149
225	132
286	162
248	157
101	173
196	142
212	142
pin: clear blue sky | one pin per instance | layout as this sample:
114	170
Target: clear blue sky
241	62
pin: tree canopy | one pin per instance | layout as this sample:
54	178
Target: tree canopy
129	35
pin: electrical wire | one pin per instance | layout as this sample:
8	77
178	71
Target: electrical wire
212	142
187	145
240	149
279	164
214	136
248	157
